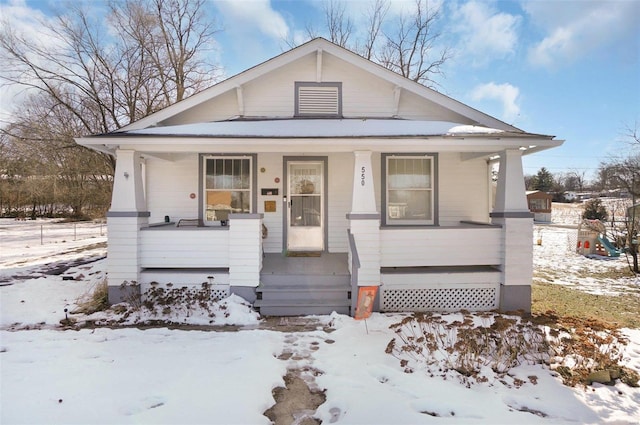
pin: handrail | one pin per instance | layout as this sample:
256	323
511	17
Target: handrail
354	249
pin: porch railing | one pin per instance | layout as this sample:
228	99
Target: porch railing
184	247
465	245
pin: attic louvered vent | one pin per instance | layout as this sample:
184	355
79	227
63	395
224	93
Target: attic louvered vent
318	99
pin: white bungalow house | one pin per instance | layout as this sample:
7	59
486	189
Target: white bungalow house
317	172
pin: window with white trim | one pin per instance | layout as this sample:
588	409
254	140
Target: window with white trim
409	196
227	187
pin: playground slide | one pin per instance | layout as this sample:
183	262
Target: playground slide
611	250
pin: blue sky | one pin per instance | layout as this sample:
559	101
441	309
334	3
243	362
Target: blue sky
566	68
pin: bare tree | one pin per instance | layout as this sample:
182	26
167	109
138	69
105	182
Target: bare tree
408	45
96	75
375	17
573	180
337	23
185	35
410	49
624	173
633	135
53	170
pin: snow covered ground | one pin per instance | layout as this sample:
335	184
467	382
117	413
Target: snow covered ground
160	375
555	261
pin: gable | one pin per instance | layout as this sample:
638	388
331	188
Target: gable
268	91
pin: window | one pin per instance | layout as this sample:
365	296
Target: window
318	99
409	196
227	187
539	204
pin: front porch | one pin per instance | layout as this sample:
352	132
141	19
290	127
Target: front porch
471	263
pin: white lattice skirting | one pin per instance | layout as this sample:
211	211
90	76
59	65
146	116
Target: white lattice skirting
218	292
439	299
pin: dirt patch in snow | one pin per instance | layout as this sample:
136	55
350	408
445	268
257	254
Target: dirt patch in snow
296	403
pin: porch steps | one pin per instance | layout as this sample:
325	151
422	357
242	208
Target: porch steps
298	295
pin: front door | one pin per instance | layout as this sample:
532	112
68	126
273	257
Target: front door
305	207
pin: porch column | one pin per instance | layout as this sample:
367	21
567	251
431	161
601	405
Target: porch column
364	223
364	195
512	213
245	254
124	220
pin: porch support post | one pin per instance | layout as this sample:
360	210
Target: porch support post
364	195
511	212
364	223
245	254
124	220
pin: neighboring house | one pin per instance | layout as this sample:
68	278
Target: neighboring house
360	176
540	205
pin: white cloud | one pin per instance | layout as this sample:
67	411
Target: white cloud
505	93
484	33
247	16
578	29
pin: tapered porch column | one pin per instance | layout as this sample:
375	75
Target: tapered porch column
128	213
512	213
364	223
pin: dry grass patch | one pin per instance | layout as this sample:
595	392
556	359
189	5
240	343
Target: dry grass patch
611	273
622	311
98	301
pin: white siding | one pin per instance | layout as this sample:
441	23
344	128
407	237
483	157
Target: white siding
245	251
368	241
169	184
272	96
440	247
272	164
221	108
440	280
189	248
517	250
362	94
463	190
340	174
414	107
123	258
190	278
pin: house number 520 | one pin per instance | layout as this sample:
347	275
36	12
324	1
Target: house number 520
362	170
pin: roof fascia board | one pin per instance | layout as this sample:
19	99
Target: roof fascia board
338	144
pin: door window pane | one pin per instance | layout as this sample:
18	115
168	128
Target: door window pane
305	210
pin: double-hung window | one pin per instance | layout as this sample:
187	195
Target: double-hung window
409	192
227	187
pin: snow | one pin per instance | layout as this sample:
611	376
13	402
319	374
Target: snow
560	264
472	129
159	375
318	128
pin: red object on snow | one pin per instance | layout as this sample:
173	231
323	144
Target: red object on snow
364	307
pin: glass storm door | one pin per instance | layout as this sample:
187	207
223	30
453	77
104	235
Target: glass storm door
305	206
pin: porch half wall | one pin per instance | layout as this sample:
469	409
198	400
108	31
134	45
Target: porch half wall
440	269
